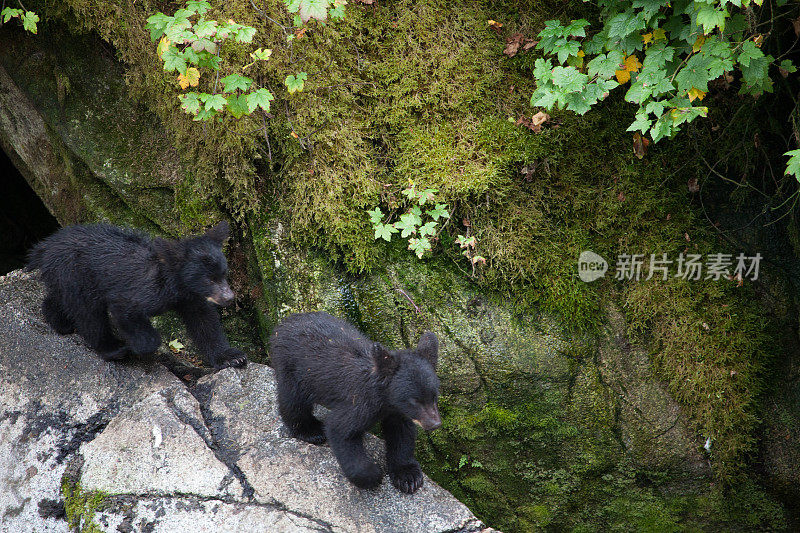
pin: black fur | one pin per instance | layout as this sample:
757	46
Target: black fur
102	279
320	359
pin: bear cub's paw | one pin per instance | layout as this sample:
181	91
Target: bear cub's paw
407	478
368	478
230	357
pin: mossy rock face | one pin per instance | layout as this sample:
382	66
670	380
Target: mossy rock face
543	425
109	158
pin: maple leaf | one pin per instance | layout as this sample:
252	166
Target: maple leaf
236	81
692	185
190	77
313	9
632	63
237	105
29	20
260	98
695	93
190	103
163	46
375	216
384	231
623	76
439	212
295	83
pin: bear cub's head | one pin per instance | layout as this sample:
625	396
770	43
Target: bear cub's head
413	388
199	264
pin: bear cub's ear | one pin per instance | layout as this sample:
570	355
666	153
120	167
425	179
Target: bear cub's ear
428	347
384	361
167	251
219	233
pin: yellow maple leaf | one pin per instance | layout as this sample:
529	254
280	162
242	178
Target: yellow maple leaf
623	76
632	63
494	23
698	44
695	93
581	53
647	37
659	33
190	77
163	46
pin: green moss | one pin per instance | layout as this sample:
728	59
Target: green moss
80	506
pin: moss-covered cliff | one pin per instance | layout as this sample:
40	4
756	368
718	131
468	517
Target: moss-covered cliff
567	404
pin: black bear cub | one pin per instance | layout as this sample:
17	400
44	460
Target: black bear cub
320	359
105	282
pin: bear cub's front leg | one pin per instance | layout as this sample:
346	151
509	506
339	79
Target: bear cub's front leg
320	359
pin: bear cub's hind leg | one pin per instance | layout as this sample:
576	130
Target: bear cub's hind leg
55	315
297	412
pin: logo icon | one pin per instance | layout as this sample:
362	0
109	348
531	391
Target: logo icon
591	266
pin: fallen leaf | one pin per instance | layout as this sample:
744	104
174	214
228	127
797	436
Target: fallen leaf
539	118
640	144
686	236
693	185
513	42
756	141
293	134
299	34
496	26
367	2
796	24
529	43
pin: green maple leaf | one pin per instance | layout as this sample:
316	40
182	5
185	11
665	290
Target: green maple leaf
408	224
204	114
29	20
375	216
642	123
237	105
236	81
749	52
711	18
295	83
204	44
260	98
198	6
569	79
384	231
440	211
205	28
428	229
9	12
793	166
190	102
427	196
605	65
416	212
419	246
245	34
214	102
173	60
156	24
313	9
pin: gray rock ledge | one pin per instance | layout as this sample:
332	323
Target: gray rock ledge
166	458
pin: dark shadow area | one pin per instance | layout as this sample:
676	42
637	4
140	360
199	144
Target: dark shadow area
24	219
